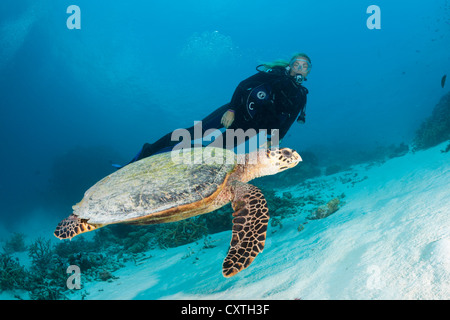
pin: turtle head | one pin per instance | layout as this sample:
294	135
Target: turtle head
278	160
269	162
266	162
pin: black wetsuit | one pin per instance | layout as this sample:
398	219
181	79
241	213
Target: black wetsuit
267	100
277	101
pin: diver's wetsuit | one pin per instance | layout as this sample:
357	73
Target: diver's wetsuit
166	144
267	100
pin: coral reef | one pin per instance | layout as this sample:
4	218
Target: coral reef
105	275
12	274
67	248
41	254
182	232
281	207
15	244
138	241
219	220
436	128
324	211
46	278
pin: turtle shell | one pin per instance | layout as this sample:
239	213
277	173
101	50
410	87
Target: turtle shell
156	184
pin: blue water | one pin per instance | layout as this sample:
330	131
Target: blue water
74	101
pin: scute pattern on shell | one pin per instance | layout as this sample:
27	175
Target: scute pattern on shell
148	186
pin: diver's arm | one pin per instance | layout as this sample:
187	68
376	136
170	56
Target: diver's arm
239	100
302	117
228	117
235	106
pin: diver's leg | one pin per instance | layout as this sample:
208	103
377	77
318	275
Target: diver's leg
209	122
212	122
150	149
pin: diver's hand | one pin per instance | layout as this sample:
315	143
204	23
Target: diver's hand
227	118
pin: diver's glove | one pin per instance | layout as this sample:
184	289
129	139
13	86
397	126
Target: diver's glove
301	118
227	118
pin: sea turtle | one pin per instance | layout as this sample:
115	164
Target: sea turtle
162	188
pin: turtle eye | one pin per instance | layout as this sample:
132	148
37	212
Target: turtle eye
287	153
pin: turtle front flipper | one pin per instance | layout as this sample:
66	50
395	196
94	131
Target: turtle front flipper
72	226
249	228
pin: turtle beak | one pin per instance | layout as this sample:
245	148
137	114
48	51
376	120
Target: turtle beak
296	157
290	158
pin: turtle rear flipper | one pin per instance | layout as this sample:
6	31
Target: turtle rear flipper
249	228
72	226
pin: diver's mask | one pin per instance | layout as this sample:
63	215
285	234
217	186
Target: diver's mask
299	65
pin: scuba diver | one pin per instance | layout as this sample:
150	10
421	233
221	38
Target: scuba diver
271	99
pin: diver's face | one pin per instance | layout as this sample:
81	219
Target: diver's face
300	66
